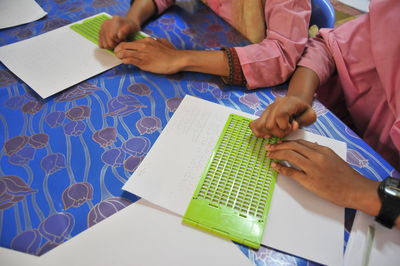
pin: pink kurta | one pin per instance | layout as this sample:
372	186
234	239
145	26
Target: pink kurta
274	59
365	53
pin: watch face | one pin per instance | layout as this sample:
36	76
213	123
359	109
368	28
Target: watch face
393	191
392	187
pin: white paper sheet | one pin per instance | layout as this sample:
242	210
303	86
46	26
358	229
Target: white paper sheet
136	235
56	60
362	5
384	245
299	222
17	12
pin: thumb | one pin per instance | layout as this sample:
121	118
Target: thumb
123	32
305	119
293	173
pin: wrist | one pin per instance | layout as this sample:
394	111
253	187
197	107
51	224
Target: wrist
183	60
365	197
133	21
303	84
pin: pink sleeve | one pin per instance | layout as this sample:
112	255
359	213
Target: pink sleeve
318	57
273	60
163	4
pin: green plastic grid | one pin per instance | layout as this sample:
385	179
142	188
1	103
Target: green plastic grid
90	29
234	193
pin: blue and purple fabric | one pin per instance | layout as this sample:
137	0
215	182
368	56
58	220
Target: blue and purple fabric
63	160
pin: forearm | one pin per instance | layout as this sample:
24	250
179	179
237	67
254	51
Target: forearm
303	84
141	11
209	62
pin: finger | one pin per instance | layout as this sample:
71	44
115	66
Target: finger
292	157
276	131
309	144
101	41
283	121
110	43
288	171
123	33
258	126
132	61
271	124
297	175
306	118
124	54
136	45
293	145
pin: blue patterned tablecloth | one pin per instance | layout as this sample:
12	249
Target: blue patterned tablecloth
63	160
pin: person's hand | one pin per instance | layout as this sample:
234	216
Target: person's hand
116	30
153	55
324	173
284	115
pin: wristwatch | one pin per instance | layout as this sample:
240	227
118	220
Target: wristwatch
389	193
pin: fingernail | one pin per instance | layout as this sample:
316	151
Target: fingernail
268	146
273	164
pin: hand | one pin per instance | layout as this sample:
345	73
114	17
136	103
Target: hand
115	30
157	56
324	173
284	115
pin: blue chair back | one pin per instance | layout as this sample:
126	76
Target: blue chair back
322	14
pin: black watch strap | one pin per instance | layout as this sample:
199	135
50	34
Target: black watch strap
389	193
387	215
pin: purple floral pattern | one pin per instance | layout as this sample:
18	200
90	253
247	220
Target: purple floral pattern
319	108
32	107
47	247
215	28
355	158
15	102
54	24
12	190
22	156
74	128
113	157
103	3
105	209
251	100
55	119
25	33
39	140
123	105
52	163
132	163
137	146
6	78
168	24
148	124
77	92
57	227
200	86
105	137
15	144
140	89
78	113
77	194
173	103
28	241
220	94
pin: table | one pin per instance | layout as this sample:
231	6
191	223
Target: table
64	159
